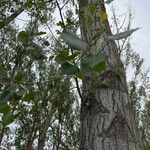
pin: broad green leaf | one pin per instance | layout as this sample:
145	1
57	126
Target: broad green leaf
122	35
5	96
8	118
80	75
73	40
4	108
86	70
35	52
64	56
23	36
103	15
99	67
69	69
95	62
109	1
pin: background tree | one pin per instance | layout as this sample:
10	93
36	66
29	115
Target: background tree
39	73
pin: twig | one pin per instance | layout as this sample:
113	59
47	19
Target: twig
61	16
64	5
76	81
78	88
5	22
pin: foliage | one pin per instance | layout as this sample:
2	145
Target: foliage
38	95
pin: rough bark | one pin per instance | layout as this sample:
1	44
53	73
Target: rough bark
44	128
107	121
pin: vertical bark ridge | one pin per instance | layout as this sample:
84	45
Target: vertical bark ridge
107	122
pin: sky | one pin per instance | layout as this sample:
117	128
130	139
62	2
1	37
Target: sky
141	38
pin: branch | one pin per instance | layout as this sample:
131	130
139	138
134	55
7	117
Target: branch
5	22
78	88
60	12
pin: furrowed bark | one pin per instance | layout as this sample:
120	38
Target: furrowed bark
107	121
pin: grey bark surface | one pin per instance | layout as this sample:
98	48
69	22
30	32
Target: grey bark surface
107	121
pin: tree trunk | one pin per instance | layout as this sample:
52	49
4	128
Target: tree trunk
44	129
29	144
107	121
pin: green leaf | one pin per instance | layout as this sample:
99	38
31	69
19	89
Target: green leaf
69	69
64	56
29	4
4	108
5	96
73	40
86	70
17	96
29	96
23	36
109	1
41	5
37	55
99	67
8	118
21	75
122	35
35	52
39	33
95	63
3	73
80	75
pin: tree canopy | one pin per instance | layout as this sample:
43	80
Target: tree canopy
41	73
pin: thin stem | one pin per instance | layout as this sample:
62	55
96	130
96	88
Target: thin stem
77	83
61	16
